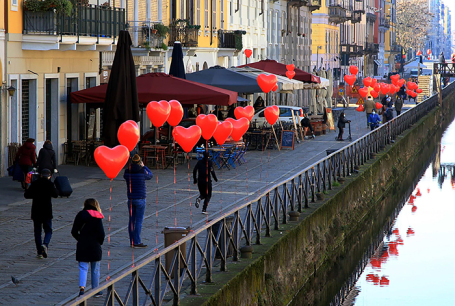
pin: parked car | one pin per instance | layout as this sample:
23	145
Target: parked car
285	115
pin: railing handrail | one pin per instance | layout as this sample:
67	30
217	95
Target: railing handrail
380	135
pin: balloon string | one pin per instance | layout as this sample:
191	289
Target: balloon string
109	236
189	188
175	193
131	214
156	211
207	178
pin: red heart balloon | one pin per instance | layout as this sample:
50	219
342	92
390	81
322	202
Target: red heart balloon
187	138
428	51
208	125
419	90
271	113
266	82
412	85
248	52
176	114
350	79
384	88
290	67
374	93
158	112
363	92
419	53
373	82
275	88
413	94
353	69
378	105
239	127
290	74
397	88
367	81
244	112
222	132
128	134
360	108
377	87
409	92
401	82
391	89
395	77
111	161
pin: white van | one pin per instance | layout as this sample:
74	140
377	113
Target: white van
285	115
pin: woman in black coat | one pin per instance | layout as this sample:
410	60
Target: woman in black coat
46	157
89	232
341	124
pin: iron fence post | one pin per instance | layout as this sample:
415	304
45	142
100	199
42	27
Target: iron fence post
267	215
235	234
208	275
158	281
248	225
258	222
176	299
277	210
110	299
223	245
285	204
194	266
299	208
135	280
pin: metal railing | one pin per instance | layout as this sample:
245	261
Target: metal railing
84	20
188	37
226	39
247	223
144	34
444	69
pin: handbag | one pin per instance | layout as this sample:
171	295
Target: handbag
11	169
18	175
28	178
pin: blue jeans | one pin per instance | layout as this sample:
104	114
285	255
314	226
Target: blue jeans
95	273
47	226
136	210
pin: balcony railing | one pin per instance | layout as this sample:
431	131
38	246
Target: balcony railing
337	11
85	20
395	48
356	17
384	22
314	5
371	17
298	3
371	48
226	39
187	36
144	34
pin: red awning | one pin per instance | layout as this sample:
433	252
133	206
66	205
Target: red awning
161	86
274	67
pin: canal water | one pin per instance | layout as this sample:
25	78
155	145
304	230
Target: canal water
414	264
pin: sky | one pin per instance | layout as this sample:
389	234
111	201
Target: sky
451	5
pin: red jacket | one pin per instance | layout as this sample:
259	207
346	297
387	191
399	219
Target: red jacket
26	154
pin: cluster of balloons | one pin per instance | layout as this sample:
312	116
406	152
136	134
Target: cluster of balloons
351	78
267	82
290	73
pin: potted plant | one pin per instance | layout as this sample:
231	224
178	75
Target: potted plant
34	5
161	29
60	6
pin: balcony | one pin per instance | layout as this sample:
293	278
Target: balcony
356	16
85	20
394	48
188	36
384	22
371	48
371	17
227	39
298	3
314	5
144	34
337	12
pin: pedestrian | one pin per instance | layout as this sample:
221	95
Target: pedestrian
202	176
135	176
88	230
42	191
453	58
441	58
389	102
374	120
26	158
305	123
388	114
369	107
402	92
341	124
46	158
398	105
384	99
258	104
231	113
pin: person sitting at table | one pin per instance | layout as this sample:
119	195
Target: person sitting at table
306	124
204	171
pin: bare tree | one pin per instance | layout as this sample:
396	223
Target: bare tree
413	23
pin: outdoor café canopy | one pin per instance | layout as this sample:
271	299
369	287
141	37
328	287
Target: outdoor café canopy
325	83
285	85
274	67
225	78
161	86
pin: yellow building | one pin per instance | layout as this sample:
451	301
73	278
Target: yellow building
50	54
391	48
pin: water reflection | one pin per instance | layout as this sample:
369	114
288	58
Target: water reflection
414	264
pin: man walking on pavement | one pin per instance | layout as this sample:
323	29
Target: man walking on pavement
204	170
135	176
369	107
41	191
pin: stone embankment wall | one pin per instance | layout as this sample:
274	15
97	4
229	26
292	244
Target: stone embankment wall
308	254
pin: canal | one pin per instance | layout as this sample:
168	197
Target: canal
413	264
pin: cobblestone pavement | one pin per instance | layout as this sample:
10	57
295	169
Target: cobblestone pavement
55	279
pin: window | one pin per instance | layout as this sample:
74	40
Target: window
285	112
206	13
221	24
198	12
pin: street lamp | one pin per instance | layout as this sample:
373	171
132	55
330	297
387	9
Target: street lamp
317	55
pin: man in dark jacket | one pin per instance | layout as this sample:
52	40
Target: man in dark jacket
341	124
135	176
46	158
398	105
202	176
305	123
41	191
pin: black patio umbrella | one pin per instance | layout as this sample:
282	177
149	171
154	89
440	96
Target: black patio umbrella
177	68
227	79
121	102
